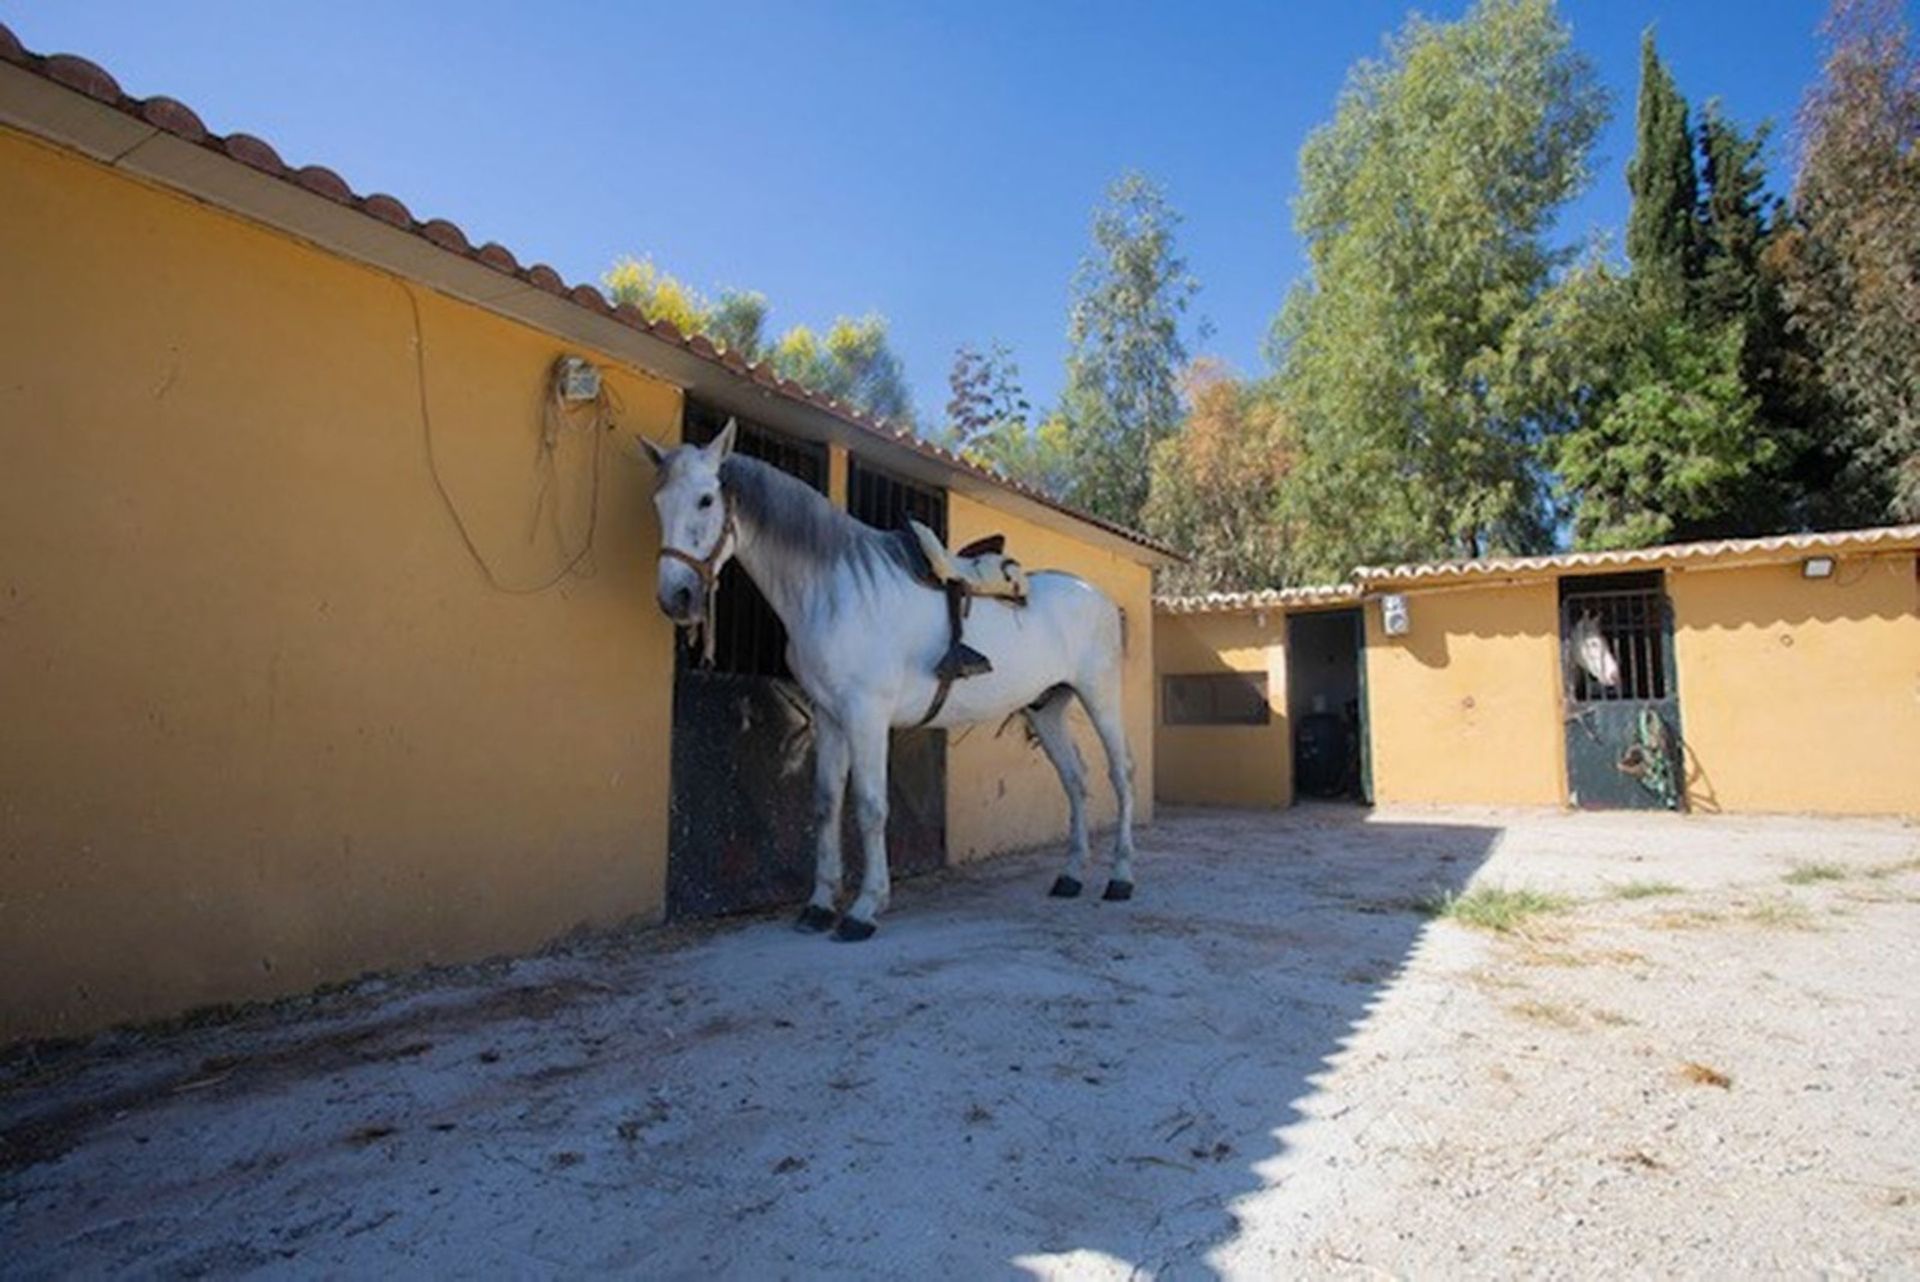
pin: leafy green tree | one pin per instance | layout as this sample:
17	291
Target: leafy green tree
1663	234
1041	456
1653	434
1127	351
1425	205
1219	487
986	393
738	321
659	295
852	362
1852	258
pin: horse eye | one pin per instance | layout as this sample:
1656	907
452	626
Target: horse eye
706	500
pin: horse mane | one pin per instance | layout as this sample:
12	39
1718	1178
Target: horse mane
803	523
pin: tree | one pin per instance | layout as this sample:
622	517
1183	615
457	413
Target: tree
1424	204
1663	236
1126	349
853	363
1852	260
1040	456
986	393
1651	427
738	322
658	295
1219	487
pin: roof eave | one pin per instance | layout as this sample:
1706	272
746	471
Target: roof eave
313	205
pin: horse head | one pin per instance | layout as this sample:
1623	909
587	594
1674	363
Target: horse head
697	531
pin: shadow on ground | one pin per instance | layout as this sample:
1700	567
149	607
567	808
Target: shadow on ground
999	1084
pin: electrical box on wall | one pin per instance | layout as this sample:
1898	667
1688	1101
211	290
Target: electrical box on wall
1394	620
578	380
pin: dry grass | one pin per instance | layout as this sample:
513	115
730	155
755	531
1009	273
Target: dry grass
1781	914
1705	1075
1688	920
1807	874
1643	889
1497	908
1547	1013
1893	869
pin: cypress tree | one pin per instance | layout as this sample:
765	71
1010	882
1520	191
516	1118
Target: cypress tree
1663	240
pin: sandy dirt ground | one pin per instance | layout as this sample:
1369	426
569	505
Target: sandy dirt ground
1272	1063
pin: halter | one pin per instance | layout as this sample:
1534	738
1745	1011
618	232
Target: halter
708	568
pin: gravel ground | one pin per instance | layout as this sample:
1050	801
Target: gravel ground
1273	1062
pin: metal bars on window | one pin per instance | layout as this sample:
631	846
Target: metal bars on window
886	502
1616	644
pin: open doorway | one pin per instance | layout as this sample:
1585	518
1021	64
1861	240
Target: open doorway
1326	705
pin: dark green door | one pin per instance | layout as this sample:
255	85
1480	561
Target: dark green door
1622	708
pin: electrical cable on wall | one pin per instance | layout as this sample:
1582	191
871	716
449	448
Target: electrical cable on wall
557	418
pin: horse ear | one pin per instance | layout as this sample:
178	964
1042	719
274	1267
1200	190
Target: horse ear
723	443
644	448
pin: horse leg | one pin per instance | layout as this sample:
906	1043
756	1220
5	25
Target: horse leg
1103	707
829	789
867	744
1048	718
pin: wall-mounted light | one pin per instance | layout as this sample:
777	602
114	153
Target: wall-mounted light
1394	620
576	379
1817	567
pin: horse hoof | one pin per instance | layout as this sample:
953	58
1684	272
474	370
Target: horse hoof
1065	887
1118	891
813	919
852	930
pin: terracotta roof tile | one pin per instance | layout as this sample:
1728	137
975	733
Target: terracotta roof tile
447	235
1269	599
320	179
77	73
498	257
173	116
388	210
541	276
1770	547
589	297
256	152
178	119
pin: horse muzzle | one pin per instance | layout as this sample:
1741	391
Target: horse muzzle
681	603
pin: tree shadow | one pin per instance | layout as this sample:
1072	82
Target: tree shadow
1000	1084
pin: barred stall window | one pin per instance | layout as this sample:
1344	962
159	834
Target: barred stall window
1615	630
886	502
751	640
1215	699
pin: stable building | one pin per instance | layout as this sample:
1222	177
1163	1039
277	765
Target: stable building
1740	675
327	632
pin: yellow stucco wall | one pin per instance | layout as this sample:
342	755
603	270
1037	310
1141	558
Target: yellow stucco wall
265	725
1800	694
1465	708
1001	792
1223	765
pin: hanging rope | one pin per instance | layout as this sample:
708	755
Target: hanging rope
557	420
1650	759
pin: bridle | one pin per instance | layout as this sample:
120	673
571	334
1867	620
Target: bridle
708	568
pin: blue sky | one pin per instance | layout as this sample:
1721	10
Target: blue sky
936	162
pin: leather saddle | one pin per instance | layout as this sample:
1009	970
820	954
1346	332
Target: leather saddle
981	568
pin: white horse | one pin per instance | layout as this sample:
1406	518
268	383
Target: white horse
863	637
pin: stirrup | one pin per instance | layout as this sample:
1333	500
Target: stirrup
961	662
